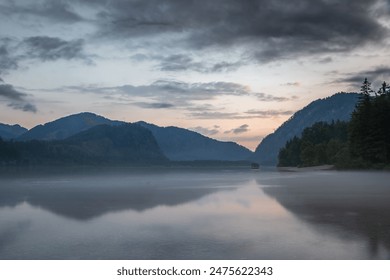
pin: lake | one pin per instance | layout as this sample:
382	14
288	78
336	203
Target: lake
194	214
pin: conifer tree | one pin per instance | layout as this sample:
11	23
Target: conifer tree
360	122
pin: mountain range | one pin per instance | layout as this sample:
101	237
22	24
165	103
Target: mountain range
11	131
181	144
177	144
93	136
336	107
65	127
128	144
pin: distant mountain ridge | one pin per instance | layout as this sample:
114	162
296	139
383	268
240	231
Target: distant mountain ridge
177	144
336	107
11	131
128	144
65	127
180	144
119	144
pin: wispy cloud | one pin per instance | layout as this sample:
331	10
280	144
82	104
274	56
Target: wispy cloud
292	84
206	130
218	113
53	11
268	113
182	62
53	48
178	92
379	74
238	130
209	115
14	52
16	99
153	105
7	60
267	97
185	62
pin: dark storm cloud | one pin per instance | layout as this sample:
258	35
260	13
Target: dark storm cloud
56	11
239	130
267	29
263	30
53	48
379	74
16	99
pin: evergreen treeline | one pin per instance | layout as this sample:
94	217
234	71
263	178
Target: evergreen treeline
100	145
364	142
320	144
369	130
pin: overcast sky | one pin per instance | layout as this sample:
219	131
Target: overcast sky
232	70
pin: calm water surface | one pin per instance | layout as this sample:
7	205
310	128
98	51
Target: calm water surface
195	214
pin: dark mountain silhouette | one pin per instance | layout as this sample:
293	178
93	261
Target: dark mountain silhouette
11	131
180	144
126	142
65	127
337	107
101	145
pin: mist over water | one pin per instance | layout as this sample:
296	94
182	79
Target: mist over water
195	214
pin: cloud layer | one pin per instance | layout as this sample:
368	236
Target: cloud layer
13	52
54	11
179	92
206	130
378	74
264	30
52	48
15	99
267	30
238	130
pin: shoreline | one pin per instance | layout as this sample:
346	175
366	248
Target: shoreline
306	169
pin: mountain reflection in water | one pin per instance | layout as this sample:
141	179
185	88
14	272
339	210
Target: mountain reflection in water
194	214
347	204
83	197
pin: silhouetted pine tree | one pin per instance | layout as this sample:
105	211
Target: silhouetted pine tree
369	133
360	125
